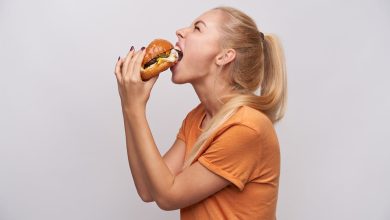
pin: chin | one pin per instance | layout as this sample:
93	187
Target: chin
177	79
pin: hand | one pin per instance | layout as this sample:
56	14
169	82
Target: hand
133	91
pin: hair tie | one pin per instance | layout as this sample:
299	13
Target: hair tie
261	35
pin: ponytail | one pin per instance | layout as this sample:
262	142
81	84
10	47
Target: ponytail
273	88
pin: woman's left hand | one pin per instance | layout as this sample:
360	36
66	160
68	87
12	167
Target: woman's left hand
133	91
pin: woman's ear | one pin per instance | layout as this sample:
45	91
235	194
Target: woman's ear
226	56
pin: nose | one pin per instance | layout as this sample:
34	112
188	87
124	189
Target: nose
180	33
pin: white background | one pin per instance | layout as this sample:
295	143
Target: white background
62	144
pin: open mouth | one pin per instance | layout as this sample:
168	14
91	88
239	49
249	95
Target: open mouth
179	50
180	54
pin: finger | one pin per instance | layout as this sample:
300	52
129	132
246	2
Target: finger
127	61
130	71
137	65
118	69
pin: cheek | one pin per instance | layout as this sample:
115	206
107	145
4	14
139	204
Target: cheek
199	58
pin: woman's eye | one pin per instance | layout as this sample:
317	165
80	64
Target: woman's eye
196	28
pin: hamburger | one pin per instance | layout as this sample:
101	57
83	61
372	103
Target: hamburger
159	56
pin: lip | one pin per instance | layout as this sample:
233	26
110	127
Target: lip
172	68
178	46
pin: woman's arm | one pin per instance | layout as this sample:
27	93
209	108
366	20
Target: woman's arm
169	191
146	157
136	170
173	158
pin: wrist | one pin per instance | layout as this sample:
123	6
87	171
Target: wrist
134	112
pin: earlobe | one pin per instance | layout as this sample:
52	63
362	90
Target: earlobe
226	56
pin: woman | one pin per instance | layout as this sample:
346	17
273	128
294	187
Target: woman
225	162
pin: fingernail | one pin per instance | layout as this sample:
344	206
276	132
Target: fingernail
119	58
132	48
142	48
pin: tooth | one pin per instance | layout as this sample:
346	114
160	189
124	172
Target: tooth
180	54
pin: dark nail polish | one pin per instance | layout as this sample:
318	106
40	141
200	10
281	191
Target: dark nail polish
119	58
132	48
142	48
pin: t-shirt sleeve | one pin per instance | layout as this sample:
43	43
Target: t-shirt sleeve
234	154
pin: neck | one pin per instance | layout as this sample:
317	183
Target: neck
211	93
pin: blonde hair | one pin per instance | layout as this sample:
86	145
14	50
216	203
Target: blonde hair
259	64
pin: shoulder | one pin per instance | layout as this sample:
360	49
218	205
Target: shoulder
192	116
253	119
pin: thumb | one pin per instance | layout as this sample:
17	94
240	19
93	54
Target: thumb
149	84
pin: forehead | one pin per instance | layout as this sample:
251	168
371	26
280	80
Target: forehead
212	18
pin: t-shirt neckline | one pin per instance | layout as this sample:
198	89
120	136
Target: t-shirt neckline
203	116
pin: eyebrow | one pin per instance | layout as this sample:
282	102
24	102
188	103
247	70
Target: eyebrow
200	22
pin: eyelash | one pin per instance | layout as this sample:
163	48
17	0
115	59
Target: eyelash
196	28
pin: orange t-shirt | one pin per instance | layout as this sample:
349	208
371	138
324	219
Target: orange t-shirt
245	151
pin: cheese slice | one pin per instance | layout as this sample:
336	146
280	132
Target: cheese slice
172	57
